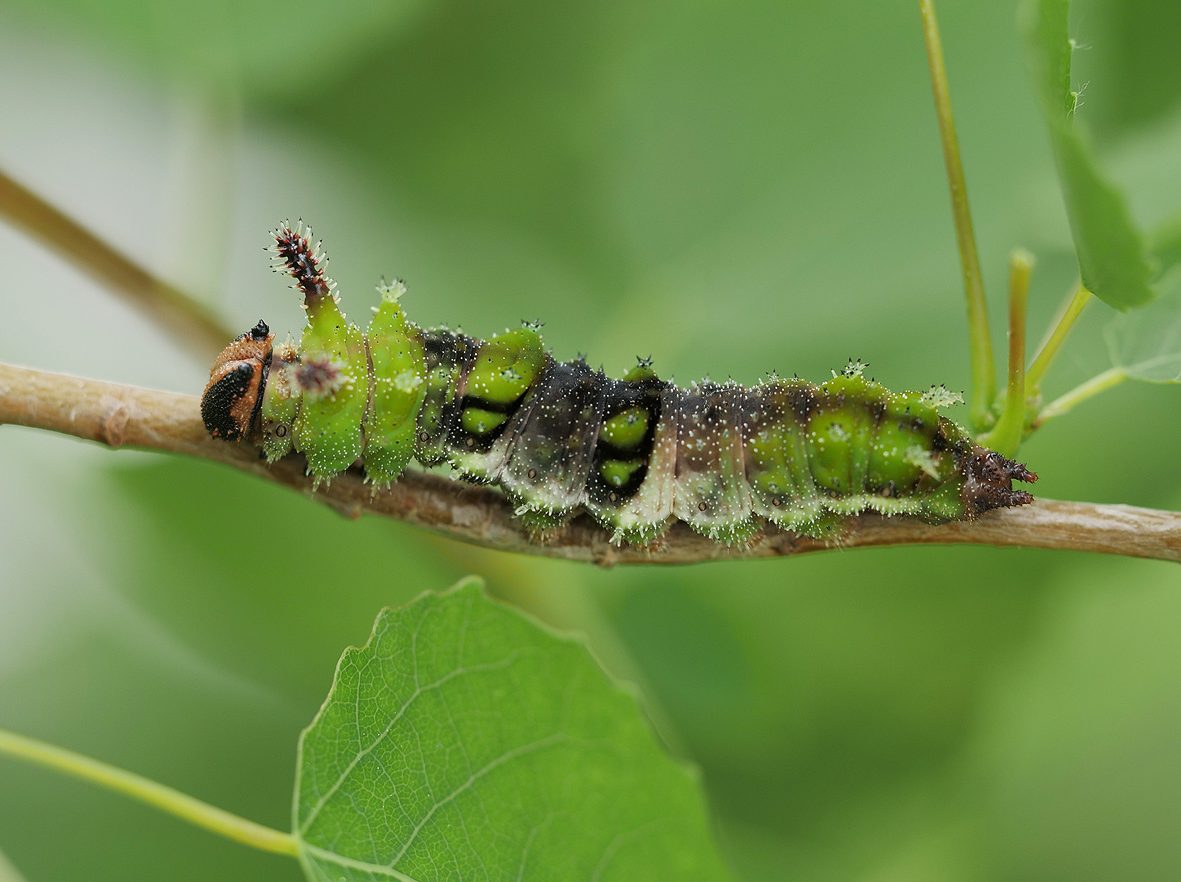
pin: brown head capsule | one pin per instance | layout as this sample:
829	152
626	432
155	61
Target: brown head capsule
988	481
237	380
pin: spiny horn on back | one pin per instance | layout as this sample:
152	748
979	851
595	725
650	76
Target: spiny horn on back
302	259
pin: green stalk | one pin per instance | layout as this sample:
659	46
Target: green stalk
158	796
983	368
1055	336
1109	379
1006	436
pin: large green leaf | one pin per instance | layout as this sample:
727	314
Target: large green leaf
1111	254
464	741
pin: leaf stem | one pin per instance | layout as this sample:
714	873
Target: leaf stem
1006	435
980	341
1071	309
1109	379
185	807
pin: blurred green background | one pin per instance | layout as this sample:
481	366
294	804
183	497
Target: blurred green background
730	187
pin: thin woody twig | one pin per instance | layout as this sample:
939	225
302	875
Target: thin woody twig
178	312
129	416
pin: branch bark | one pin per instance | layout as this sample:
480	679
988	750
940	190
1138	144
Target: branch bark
128	416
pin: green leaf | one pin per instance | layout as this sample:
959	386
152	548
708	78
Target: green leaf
464	741
1112	258
1146	344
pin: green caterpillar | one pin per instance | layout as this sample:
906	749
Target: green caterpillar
636	452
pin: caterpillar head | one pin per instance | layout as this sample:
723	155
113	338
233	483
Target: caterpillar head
988	481
237	380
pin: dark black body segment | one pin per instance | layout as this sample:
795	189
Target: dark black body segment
549	459
220	399
711	489
449	355
622	399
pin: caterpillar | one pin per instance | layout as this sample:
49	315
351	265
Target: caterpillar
636	452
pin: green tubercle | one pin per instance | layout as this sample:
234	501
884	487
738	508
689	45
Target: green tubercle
626	429
478	421
617	472
506	366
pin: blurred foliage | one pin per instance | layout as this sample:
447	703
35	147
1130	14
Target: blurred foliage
731	189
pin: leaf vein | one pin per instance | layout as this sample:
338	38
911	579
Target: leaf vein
418	692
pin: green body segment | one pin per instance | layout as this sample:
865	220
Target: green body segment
328	426
280	406
778	463
841	435
398	378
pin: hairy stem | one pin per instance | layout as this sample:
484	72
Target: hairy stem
1055	337
129	416
196	812
983	369
180	314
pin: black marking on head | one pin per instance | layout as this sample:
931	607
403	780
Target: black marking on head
259	331
220	398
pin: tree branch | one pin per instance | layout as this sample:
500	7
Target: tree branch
129	416
179	313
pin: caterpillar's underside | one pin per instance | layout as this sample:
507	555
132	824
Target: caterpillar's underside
635	452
